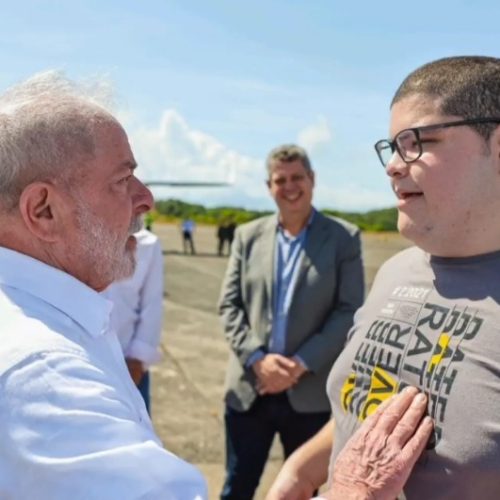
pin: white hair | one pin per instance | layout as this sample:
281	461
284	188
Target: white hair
47	130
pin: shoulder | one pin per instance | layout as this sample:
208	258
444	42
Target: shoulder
148	246
339	227
403	263
257	226
48	323
402	258
146	238
40	339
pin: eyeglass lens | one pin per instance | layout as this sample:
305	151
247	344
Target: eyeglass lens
408	144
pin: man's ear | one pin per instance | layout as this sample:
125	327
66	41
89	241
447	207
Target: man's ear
39	205
312	177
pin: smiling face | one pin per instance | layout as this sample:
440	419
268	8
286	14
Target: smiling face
106	210
448	200
291	186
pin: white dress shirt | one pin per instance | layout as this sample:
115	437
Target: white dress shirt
138	302
73	424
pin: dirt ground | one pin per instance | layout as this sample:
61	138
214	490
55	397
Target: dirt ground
187	386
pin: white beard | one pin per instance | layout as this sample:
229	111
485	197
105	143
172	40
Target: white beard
104	251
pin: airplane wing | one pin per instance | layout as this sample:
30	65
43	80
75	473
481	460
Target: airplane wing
230	180
187	183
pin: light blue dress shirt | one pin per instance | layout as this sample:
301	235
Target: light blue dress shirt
288	254
287	258
74	425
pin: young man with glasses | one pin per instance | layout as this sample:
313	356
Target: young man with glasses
432	317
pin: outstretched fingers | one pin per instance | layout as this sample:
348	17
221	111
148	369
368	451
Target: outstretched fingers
406	424
377	461
417	442
391	412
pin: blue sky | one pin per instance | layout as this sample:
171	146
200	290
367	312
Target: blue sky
206	88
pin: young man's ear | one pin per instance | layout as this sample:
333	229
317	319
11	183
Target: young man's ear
39	205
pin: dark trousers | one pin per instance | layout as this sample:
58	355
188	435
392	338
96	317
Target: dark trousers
249	436
187	240
144	390
224	242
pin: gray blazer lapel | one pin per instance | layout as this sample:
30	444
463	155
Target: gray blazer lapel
316	237
267	241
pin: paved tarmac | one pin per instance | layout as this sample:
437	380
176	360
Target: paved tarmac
187	386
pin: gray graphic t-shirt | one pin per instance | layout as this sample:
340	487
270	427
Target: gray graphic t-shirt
433	323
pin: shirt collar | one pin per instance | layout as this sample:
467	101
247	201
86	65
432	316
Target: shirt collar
59	289
279	226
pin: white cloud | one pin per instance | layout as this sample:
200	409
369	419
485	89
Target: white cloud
316	135
173	150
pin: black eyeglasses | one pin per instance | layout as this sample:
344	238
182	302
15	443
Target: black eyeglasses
408	143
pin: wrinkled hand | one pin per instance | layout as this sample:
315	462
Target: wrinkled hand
136	370
276	373
376	462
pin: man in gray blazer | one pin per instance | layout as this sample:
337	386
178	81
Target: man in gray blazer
293	283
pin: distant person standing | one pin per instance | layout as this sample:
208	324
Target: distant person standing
293	282
137	311
225	236
187	228
221	238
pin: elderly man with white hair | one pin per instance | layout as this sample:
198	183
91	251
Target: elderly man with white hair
73	423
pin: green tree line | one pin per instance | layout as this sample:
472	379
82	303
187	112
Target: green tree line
172	210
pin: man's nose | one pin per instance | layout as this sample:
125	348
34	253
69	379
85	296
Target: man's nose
396	166
290	183
142	197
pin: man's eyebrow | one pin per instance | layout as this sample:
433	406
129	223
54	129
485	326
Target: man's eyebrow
132	165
